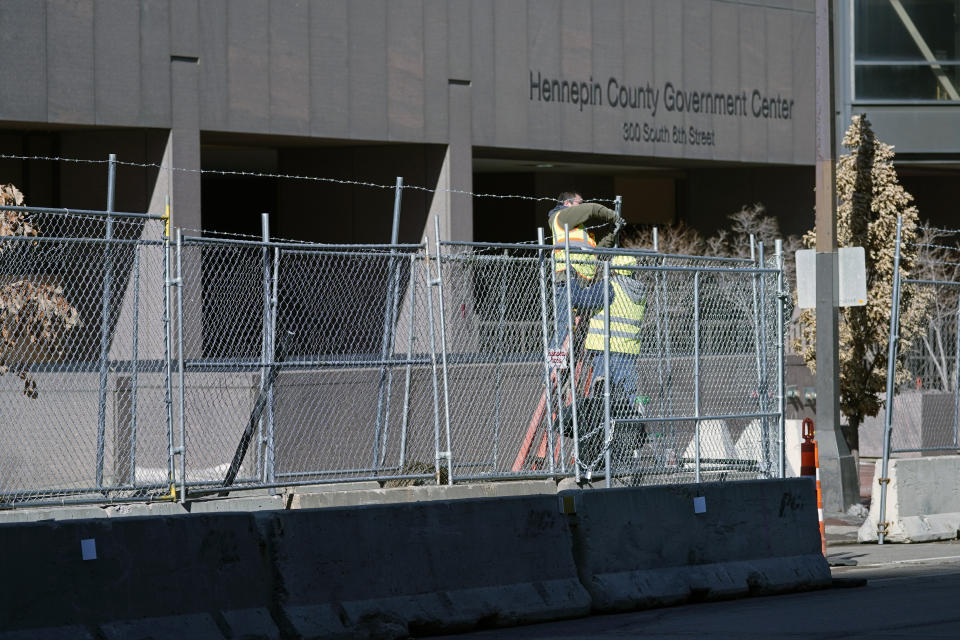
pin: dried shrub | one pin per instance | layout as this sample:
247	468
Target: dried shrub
34	317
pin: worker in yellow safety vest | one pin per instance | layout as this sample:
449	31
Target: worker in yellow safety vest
627	306
590	225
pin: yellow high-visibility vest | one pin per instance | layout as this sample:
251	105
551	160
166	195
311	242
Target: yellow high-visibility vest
583	263
625	319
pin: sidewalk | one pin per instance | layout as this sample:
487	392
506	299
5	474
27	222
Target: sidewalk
842	529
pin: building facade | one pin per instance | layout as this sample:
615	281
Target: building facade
687	109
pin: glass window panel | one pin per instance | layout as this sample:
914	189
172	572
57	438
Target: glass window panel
902	82
880	34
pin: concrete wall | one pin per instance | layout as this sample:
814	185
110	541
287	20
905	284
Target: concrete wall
395	570
915	511
410	71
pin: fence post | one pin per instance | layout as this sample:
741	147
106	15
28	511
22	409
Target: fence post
561	418
547	384
433	362
386	372
571	360
411	287
167	349
764	386
266	348
133	364
606	371
956	383
500	349
443	353
757	263
271	420
666	362
105	318
782	400
891	381
181	449
696	371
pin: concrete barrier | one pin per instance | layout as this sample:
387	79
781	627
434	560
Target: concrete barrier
401	569
923	500
651	546
108	571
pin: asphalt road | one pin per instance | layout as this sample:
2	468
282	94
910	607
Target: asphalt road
911	591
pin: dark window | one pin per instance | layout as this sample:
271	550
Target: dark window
906	50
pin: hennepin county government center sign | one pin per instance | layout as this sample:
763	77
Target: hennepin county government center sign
669	98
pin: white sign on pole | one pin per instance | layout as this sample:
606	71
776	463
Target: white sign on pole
557	358
852	277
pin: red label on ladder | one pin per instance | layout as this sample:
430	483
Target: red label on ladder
557	358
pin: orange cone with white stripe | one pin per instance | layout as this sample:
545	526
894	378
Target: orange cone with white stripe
810	467
823	533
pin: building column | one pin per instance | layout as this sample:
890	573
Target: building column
451	203
180	181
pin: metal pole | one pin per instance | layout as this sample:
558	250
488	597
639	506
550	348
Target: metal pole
617	204
105	319
433	363
411	287
764	387
561	419
956	383
656	241
443	352
498	384
548	396
383	397
134	363
756	338
782	400
571	361
266	352
271	406
696	369
394	317
182	449
667	342
167	349
606	372
891	381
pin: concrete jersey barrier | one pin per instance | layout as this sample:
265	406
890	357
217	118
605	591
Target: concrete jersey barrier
119	574
923	500
395	570
652	546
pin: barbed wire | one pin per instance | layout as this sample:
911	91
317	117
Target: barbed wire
932	245
938	229
288	176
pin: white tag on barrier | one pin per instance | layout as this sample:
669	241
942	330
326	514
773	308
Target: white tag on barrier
88	549
700	504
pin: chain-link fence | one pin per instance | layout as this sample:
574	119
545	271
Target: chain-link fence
922	403
925	397
151	368
698	388
83	397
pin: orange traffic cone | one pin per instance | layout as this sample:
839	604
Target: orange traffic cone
810	467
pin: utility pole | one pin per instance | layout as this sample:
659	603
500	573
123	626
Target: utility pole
839	477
